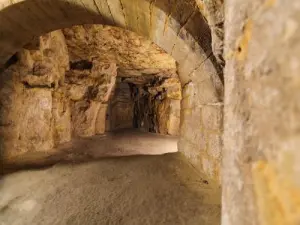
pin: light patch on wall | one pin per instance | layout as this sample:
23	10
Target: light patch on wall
243	41
45	104
291	27
270	3
278	199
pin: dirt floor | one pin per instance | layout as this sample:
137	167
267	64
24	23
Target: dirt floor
86	189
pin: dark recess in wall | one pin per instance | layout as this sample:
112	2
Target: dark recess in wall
81	65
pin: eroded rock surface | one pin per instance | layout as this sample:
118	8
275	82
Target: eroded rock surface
157	107
62	85
134	54
89	86
45	100
29	114
121	108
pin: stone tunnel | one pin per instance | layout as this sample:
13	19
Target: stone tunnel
149	112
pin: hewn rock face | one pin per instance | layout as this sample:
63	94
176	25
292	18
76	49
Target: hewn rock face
100	125
89	84
69	97
174	118
44	102
168	116
153	106
84	115
31	119
175	26
61	113
157	105
81	87
262	128
47	65
139	61
27	121
134	54
121	108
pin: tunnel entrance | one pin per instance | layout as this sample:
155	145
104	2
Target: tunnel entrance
179	29
72	86
149	103
80	94
75	100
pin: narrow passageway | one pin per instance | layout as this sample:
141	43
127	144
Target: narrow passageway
103	124
138	112
131	190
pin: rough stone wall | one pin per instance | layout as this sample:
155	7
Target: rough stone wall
89	86
202	122
261	156
176	26
32	116
44	102
157	105
76	90
168	116
100	126
151	104
134	54
121	107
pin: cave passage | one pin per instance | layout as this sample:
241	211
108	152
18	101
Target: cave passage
83	81
90	128
132	112
149	103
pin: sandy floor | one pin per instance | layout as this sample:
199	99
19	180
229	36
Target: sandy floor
132	190
125	142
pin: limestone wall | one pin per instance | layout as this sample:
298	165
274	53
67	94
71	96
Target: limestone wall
30	110
202	122
88	90
157	105
135	55
261	126
261	157
176	26
47	97
121	108
44	102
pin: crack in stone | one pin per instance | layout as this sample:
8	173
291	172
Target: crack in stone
110	12
184	24
186	83
84	6
123	12
201	63
168	17
9	203
151	5
27	85
96	6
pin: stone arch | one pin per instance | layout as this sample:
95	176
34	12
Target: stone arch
176	26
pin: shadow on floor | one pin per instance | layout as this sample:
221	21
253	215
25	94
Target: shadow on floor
134	190
126	142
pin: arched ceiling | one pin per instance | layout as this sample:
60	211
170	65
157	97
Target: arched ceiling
176	26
